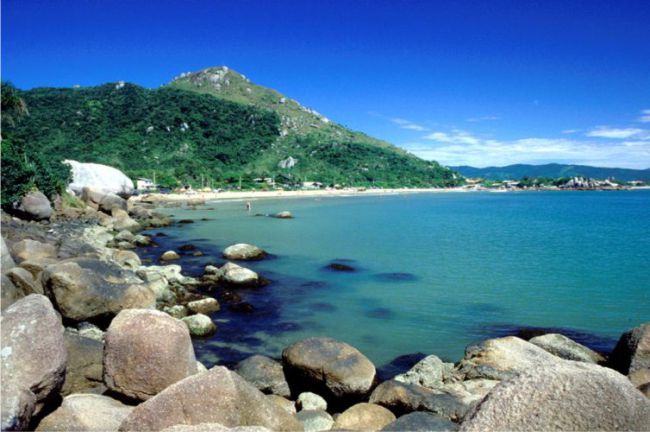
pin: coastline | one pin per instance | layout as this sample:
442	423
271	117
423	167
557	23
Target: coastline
159	198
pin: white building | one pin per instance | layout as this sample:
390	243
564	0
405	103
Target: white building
144	184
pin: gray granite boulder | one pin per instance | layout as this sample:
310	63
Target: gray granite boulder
102	178
420	421
503	358
7	260
84	373
403	398
243	252
328	367
86	412
566	348
24	281
35	206
429	372
145	352
562	396
265	374
315	420
122	220
33	358
632	352
364	417
307	401
216	396
204	306
236	275
85	288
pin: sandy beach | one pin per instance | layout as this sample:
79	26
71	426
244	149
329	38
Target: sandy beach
231	195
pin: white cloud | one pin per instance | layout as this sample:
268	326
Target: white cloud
456	149
484	118
606	132
408	124
645	116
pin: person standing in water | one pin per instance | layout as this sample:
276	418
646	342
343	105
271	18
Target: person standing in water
248	206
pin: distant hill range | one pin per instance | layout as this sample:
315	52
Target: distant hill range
553	170
212	126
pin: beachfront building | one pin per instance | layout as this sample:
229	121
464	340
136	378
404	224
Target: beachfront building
144	184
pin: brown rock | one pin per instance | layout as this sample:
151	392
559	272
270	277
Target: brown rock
32	250
84	373
24	281
145	352
86	412
364	417
265	374
632	352
217	396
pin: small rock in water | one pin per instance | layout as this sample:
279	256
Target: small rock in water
242	307
204	306
170	255
243	251
337	266
187	247
177	311
283	215
200	325
197	253
185	221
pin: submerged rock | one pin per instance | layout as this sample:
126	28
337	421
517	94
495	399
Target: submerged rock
562	396
146	351
329	366
340	267
364	417
86	412
265	374
33	359
216	396
566	348
243	252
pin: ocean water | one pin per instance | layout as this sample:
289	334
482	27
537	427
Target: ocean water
433	272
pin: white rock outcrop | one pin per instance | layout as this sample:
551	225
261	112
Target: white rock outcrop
99	177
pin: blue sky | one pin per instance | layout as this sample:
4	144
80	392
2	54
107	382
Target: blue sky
473	82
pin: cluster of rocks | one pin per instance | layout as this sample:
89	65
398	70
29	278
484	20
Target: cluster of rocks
147	379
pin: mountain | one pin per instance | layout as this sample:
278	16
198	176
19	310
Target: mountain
519	171
210	127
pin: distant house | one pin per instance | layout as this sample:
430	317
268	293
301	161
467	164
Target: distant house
144	184
312	185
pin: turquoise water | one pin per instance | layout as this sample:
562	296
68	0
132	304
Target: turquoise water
435	272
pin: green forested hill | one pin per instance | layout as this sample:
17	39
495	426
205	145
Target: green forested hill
189	136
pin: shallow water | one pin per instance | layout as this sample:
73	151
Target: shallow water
434	272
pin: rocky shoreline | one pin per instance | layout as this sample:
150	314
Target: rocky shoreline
92	339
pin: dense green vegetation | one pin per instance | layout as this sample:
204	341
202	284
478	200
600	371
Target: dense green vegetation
553	171
23	168
188	137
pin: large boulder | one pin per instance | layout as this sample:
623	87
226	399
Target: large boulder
33	359
420	421
145	352
32	250
102	178
216	396
9	294
84	373
236	275
86	412
566	348
503	358
24	281
429	372
265	374
562	396
243	252
403	398
331	368
122	220
364	417
86	288
35	206
632	352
